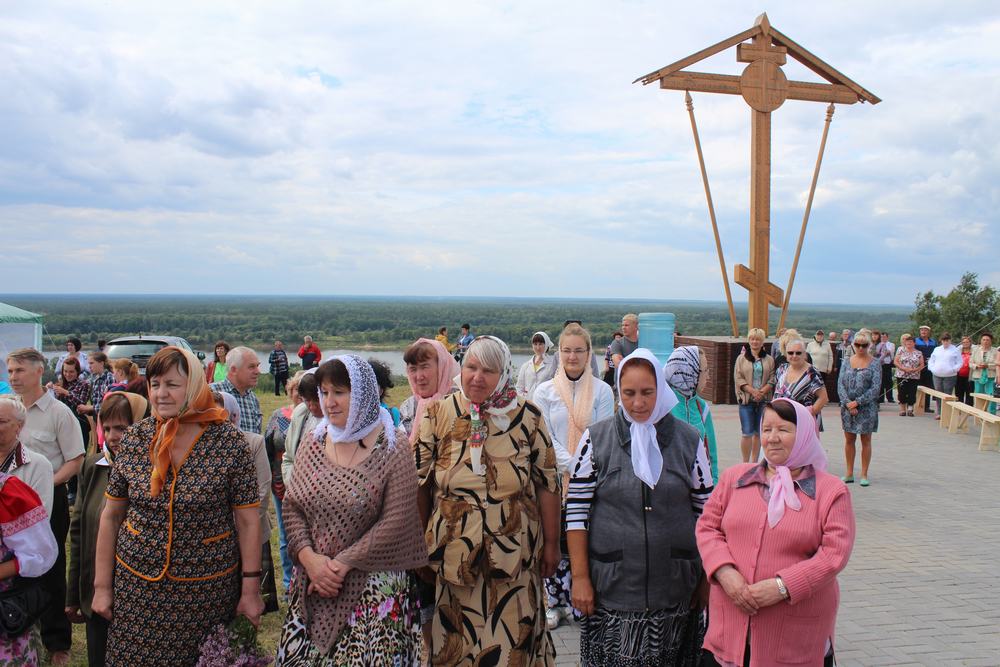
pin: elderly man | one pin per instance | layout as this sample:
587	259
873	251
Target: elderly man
15	459
926	345
629	341
243	369
309	353
278	362
50	430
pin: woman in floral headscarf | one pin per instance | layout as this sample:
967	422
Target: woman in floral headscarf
351	532
490	499
773	538
178	547
685	374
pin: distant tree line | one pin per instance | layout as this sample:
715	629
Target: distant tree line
969	309
384	322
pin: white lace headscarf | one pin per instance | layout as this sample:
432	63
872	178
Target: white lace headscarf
365	412
647	461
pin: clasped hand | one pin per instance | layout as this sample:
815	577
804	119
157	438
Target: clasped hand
326	575
749	598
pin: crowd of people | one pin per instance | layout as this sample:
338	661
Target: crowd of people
463	527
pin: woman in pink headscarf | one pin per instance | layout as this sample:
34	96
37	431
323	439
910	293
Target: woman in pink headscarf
773	537
431	372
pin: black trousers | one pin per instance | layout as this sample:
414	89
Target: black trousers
963	389
708	660
279	382
887	382
57	634
97	639
927	380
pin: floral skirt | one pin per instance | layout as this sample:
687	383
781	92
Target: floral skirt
612	638
21	651
384	628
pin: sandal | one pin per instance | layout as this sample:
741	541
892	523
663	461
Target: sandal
864	481
909	413
902	413
847	479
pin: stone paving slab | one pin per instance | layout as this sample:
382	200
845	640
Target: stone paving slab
923	583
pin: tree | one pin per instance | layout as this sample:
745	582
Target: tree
967	310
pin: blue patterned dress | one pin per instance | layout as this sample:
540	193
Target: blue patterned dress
861	385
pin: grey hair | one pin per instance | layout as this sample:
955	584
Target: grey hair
20	412
237	356
492	353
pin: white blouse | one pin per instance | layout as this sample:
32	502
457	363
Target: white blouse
556	414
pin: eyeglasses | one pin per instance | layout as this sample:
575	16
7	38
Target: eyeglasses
793	354
576	351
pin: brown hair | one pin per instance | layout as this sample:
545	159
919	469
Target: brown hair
115	407
218	344
419	352
27	355
640	362
125	366
99	357
784	409
307	387
72	363
167	358
334	372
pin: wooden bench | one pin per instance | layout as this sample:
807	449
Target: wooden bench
989	435
933	393
982	401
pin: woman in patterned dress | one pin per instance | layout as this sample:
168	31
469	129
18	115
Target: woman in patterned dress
490	498
352	532
27	548
180	518
859	386
800	381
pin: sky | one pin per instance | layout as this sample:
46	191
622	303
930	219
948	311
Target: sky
483	148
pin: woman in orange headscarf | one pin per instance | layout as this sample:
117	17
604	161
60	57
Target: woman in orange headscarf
180	520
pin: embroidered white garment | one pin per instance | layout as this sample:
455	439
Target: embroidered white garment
647	461
365	413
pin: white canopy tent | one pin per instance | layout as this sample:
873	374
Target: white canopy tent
18	328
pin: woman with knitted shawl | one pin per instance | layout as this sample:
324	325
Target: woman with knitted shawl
570	402
352	532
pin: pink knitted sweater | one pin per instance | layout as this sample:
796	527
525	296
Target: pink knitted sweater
806	549
365	516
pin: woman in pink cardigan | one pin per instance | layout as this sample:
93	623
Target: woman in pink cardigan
772	538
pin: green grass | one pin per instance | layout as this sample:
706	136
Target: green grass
270	626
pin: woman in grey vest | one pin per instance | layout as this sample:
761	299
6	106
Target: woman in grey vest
639	482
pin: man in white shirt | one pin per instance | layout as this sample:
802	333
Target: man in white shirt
51	430
945	362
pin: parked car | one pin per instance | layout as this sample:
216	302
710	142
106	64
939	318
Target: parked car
140	348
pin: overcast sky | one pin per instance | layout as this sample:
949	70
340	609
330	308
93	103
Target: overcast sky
473	148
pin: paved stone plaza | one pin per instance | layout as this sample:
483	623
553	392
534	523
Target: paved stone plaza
923	583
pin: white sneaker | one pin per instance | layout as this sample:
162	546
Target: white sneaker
552	618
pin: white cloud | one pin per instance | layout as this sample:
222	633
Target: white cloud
476	148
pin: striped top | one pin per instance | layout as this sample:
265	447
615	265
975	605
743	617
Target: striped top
583	481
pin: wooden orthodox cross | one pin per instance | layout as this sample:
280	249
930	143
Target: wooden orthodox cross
764	87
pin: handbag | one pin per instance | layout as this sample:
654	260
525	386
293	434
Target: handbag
22	605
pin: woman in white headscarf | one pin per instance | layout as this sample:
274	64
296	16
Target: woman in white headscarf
636	570
352	532
539	368
489	497
570	402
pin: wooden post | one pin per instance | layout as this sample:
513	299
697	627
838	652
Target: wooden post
711	214
805	217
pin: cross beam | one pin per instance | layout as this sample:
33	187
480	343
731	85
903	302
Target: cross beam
728	84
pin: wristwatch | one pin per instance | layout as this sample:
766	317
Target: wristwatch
781	587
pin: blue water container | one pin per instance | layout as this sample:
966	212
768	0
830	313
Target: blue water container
656	333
